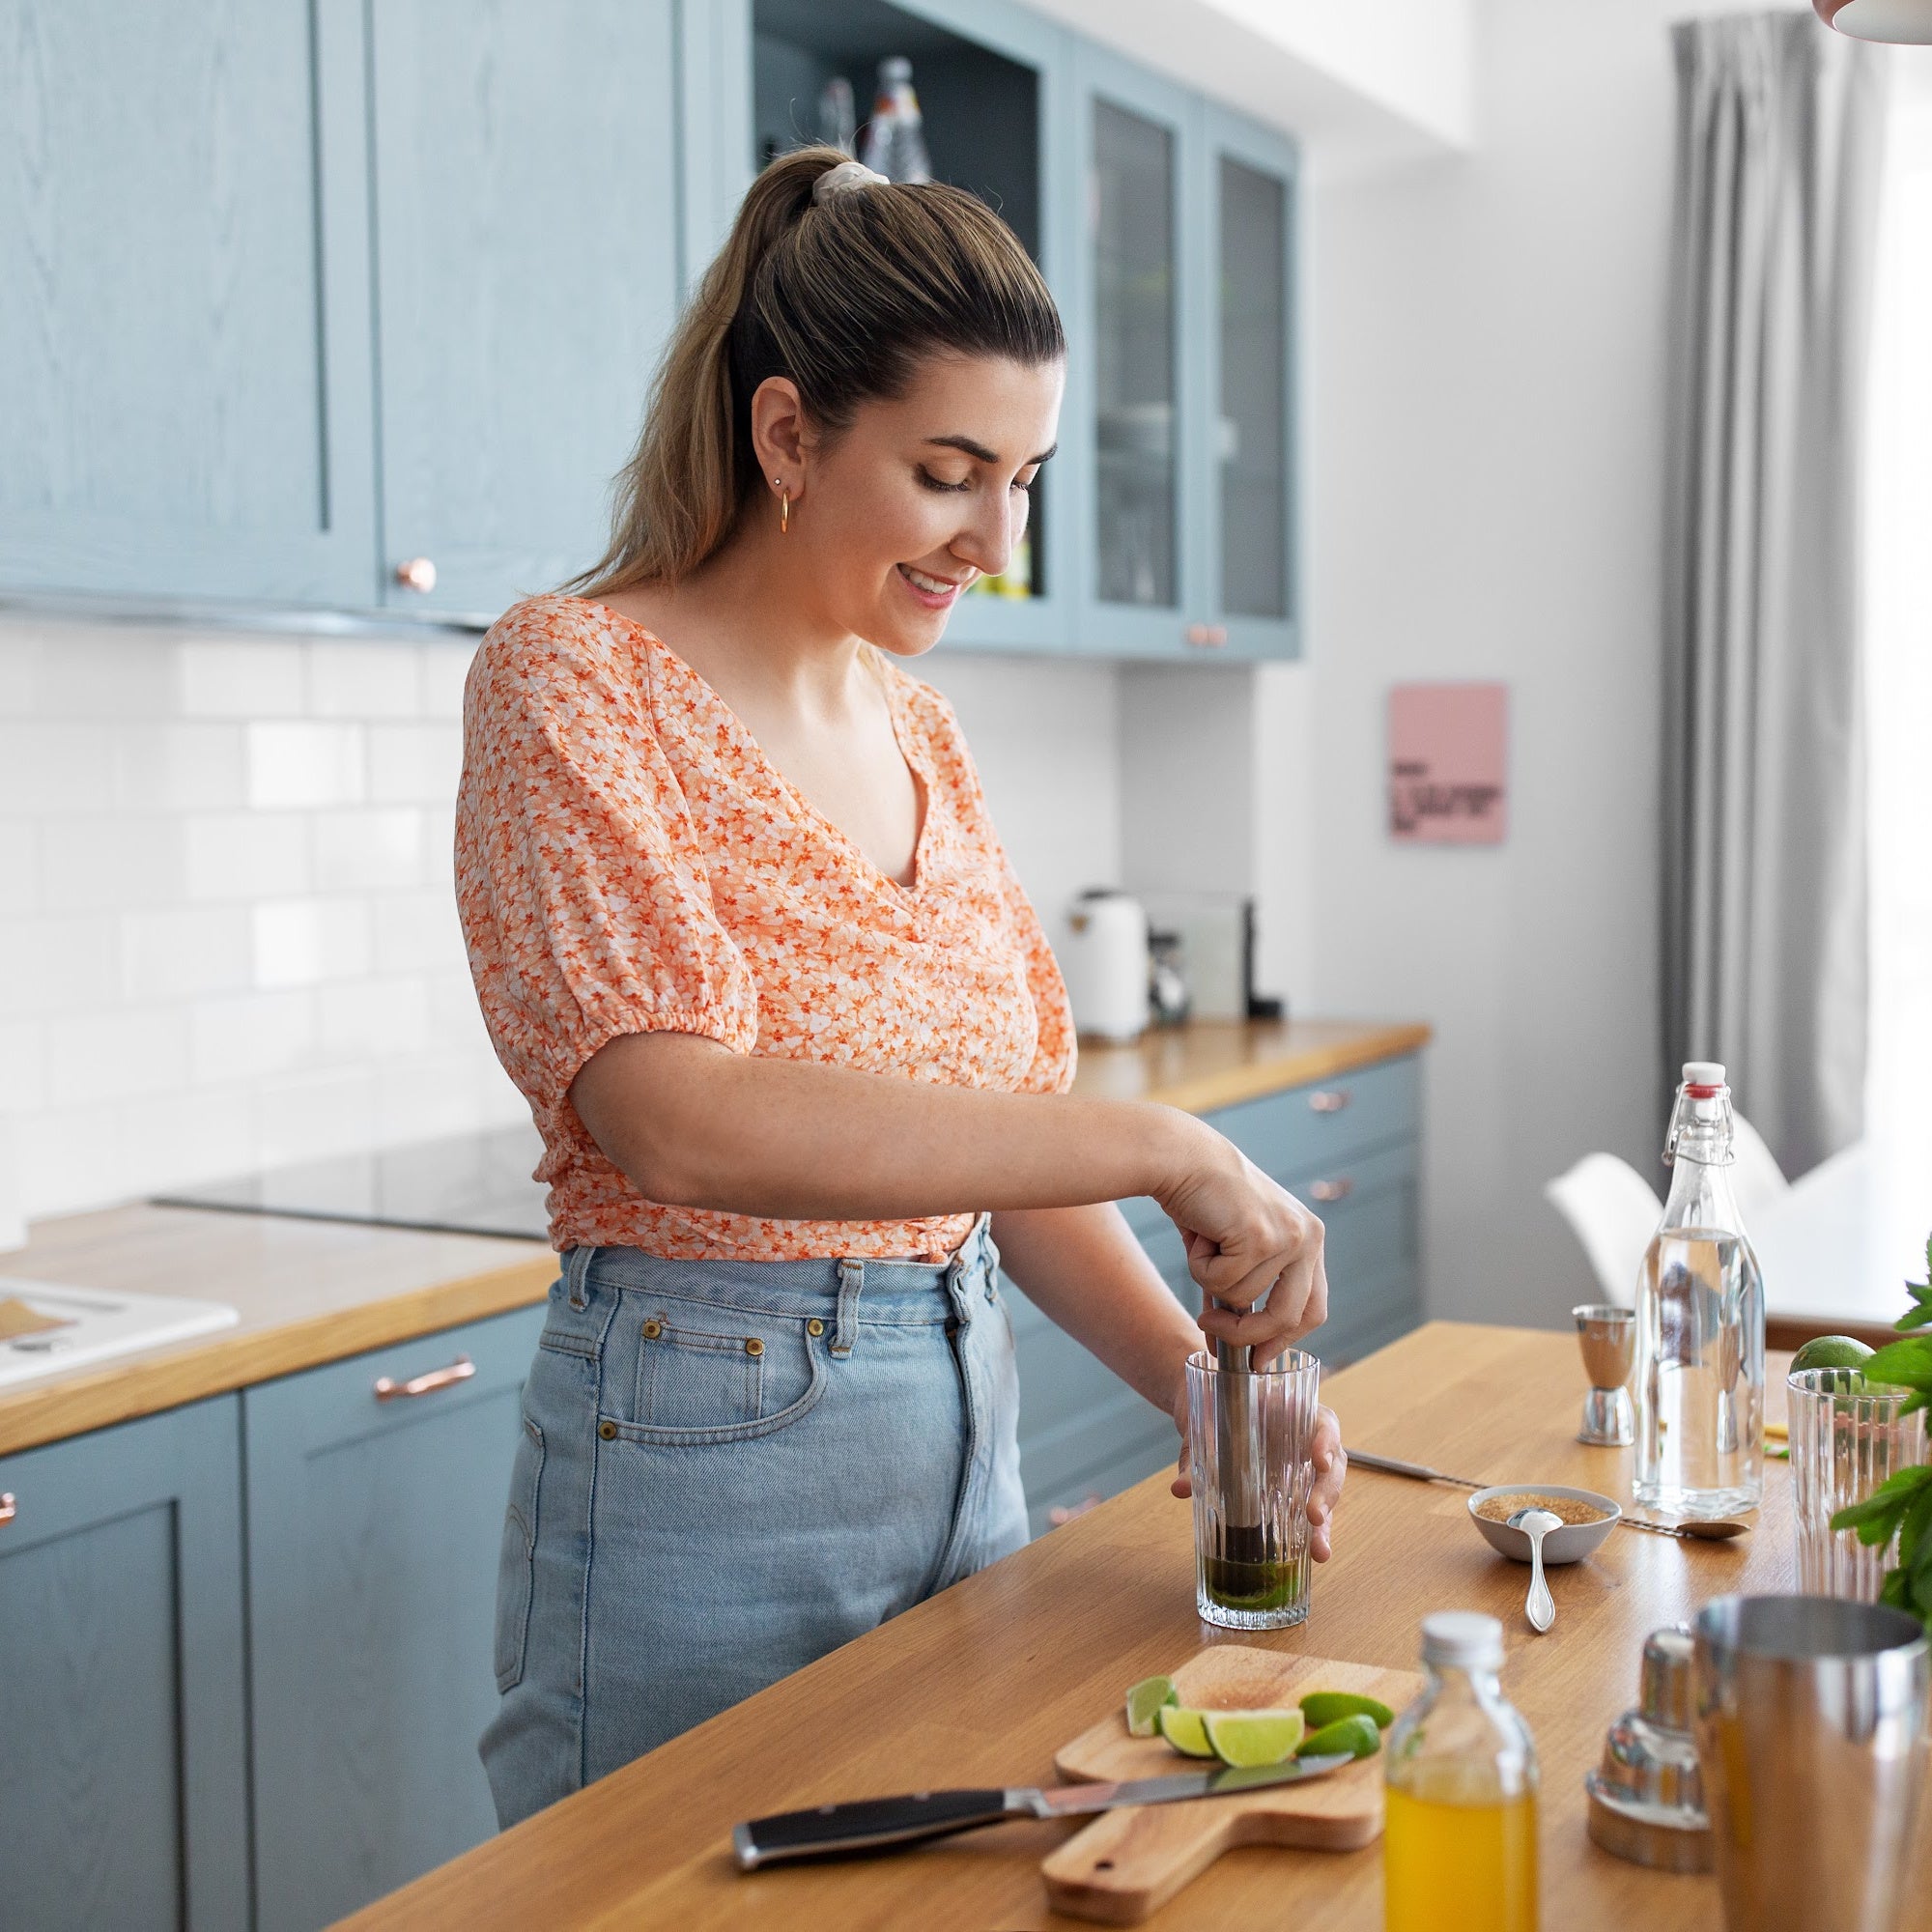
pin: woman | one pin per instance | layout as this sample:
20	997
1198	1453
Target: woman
744	935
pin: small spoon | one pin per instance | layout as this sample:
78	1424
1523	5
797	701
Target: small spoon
1536	1524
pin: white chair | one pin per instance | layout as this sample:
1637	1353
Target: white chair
1757	1181
1613	1211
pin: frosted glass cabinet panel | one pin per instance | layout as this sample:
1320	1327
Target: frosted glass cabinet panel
1252	439
1137	525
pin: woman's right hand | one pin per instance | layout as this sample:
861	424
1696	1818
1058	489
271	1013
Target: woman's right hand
1249	1241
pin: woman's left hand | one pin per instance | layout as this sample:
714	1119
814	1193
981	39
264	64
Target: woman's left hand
1331	1466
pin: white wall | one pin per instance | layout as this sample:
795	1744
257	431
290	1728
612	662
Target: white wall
1485	344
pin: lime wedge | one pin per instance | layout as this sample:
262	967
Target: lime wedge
1145	1702
1357	1735
1325	1707
1184	1730
1249	1738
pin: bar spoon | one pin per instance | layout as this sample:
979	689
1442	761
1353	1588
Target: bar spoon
1717	1529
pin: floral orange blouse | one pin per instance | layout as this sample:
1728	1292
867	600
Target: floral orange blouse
627	860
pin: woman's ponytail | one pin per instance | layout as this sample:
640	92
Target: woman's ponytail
841	296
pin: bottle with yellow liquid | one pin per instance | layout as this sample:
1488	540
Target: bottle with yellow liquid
1458	1850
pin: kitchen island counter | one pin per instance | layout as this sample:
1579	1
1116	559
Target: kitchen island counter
982	1684
314	1291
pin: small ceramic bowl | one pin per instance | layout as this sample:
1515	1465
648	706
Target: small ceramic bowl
1571	1543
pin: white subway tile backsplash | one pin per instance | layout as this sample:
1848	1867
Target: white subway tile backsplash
239	1036
108	672
363	678
248	855
102	1057
305	764
19	867
175	1140
52	765
23	1066
105	862
184	951
161	767
374	1019
59	963
418	932
70	1158
414	764
304	942
445	667
368	850
240	678
311	1116
19	671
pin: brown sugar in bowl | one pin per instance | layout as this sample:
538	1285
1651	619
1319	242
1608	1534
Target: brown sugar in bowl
1571	1543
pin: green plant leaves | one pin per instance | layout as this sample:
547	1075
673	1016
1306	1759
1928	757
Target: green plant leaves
1905	1364
1902	1504
1878	1518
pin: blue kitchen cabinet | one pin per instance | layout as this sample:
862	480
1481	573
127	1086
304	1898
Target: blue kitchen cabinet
377	1489
123	1706
1351	1147
185	340
526	212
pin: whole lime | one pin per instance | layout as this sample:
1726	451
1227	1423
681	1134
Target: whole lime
1831	1352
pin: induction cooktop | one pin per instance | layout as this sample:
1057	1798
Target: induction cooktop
474	1183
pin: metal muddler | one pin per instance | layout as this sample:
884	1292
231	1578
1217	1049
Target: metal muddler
1239	1476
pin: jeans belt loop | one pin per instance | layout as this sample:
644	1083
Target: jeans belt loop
576	1273
845	1330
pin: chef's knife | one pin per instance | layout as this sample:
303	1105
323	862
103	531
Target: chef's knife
882	1824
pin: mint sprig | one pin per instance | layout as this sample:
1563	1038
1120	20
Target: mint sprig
1901	1505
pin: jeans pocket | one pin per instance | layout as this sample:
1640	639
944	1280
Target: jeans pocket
708	1372
517	1559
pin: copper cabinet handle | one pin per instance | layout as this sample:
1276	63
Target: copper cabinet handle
8	1510
389	1389
1329	1099
1205	635
1332	1190
1065	1513
418	573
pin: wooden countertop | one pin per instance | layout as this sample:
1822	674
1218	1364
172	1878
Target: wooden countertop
1211	1063
308	1291
982	1684
312	1292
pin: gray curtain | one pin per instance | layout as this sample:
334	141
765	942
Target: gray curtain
1779	132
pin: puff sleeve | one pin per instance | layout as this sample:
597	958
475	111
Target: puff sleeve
585	906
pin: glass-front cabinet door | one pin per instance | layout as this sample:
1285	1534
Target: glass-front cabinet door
1247	484
1135	381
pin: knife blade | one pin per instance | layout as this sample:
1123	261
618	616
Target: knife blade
883	1824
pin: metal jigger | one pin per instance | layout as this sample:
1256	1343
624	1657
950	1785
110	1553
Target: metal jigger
1608	1335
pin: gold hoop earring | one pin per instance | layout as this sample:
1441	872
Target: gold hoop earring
785	514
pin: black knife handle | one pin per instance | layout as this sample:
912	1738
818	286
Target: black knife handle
868	1825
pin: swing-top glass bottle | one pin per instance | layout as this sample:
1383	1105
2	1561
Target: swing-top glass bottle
1699	1374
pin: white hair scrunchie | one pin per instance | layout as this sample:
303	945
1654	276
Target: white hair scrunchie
844	179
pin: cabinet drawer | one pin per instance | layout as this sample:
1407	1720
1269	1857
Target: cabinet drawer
1332	1120
1131	1460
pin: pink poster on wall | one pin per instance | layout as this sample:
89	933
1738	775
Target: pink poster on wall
1448	763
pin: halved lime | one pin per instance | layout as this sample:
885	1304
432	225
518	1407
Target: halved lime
1145	1702
1184	1730
1357	1735
1248	1738
1325	1707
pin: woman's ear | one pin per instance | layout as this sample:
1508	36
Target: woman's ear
778	431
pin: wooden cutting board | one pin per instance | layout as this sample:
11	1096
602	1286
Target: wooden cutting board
1131	1862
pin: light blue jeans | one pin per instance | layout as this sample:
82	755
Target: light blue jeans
728	1468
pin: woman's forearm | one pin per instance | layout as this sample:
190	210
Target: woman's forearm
693	1124
1082	1268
